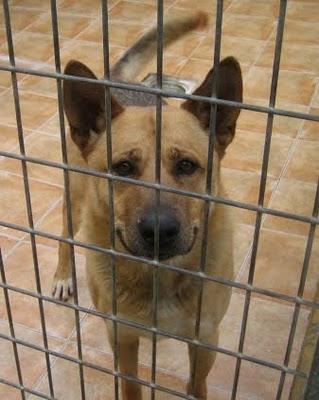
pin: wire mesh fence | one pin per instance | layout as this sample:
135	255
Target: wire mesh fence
155	264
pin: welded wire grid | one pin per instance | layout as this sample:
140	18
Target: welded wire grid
155	264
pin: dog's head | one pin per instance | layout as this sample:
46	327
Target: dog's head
184	152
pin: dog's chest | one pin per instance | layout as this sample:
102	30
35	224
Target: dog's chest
175	305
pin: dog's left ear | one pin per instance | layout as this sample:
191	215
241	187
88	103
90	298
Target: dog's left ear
84	104
229	87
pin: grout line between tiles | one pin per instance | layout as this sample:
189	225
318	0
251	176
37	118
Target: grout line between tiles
22	239
44	374
290	153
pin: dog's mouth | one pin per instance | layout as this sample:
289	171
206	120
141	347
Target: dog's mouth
165	253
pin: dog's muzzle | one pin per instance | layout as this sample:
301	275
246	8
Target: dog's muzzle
168	232
140	241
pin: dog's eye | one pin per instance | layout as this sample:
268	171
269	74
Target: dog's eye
123	168
185	167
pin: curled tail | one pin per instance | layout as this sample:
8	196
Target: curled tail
129	65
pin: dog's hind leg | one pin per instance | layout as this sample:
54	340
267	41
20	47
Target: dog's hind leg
62	287
204	362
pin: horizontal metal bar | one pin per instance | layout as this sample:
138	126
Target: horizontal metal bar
164	188
25	389
89	365
159	332
157	264
162	92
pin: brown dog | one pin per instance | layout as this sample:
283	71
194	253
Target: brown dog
183	165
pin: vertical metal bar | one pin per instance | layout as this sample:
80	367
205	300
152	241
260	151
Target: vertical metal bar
312	391
55	32
26	187
158	150
111	227
262	185
301	288
208	189
11	326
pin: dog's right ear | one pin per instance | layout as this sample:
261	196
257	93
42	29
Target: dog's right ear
229	87
84	104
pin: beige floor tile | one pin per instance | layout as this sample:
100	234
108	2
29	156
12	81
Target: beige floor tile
45	108
267	9
85	7
186	45
13	209
310	129
69	25
19	18
43	147
244	186
32	361
98	385
59	319
268	328
7	243
52	126
257	122
248	384
37	4
41	50
52	224
301	32
295	197
10	138
8	392
167	3
3	36
5	78
248	26
134	12
90	54
195	69
39	85
246	153
279	264
303	11
294	57
244	49
204	5
292	86
315	100
173	369
304	162
120	33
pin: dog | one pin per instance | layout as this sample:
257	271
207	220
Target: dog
184	152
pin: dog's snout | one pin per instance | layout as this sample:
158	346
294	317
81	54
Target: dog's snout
169	227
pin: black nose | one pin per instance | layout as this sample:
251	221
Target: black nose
168	228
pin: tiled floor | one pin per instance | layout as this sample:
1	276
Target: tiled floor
248	33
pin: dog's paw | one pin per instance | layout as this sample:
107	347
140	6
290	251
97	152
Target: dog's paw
62	289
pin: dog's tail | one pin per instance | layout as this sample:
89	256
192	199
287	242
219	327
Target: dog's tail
144	48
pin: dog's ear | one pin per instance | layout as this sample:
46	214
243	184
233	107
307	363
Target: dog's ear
84	104
229	87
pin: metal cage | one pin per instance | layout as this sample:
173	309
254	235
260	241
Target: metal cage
154	264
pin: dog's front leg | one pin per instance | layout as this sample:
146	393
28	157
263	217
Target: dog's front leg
62	287
204	360
127	348
128	363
